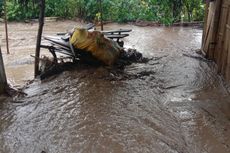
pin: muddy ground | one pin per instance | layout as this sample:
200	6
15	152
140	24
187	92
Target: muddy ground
175	103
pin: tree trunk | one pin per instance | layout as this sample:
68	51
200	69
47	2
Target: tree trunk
6	28
189	16
40	29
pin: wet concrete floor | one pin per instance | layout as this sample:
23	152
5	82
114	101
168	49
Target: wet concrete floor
176	104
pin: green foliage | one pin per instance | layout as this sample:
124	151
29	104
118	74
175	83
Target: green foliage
162	11
1	8
21	9
198	13
14	12
61	8
193	7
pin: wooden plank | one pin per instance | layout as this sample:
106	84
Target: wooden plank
205	22
207	29
114	36
220	37
117	31
224	55
220	41
227	68
226	3
214	31
210	35
228	27
228	60
216	35
3	81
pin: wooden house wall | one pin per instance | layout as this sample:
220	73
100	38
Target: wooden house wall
216	37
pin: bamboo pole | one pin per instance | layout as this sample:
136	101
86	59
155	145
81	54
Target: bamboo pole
6	28
40	29
101	12
3	81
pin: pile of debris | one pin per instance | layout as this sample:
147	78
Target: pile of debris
83	47
126	57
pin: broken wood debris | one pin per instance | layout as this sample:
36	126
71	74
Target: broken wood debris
49	68
198	58
172	87
82	48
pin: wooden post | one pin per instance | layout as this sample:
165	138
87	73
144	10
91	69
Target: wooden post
205	22
40	29
3	81
214	28
101	12
6	28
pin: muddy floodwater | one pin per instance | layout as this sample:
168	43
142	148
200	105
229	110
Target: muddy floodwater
175	103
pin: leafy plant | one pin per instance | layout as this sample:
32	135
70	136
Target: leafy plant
163	11
191	6
1	8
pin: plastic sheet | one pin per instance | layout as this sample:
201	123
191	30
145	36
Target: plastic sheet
104	49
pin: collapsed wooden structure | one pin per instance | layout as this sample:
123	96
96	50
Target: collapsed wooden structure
61	43
216	36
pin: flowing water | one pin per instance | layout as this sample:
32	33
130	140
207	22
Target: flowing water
175	103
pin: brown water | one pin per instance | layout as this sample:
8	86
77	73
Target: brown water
174	104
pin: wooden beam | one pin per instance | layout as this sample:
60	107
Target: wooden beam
3	81
211	29
6	28
40	29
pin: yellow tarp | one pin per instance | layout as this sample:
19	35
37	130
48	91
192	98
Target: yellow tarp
94	42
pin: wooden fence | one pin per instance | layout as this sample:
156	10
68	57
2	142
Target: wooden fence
216	37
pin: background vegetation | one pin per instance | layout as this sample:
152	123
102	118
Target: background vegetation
162	11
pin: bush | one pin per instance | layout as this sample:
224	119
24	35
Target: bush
1	8
16	11
163	11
